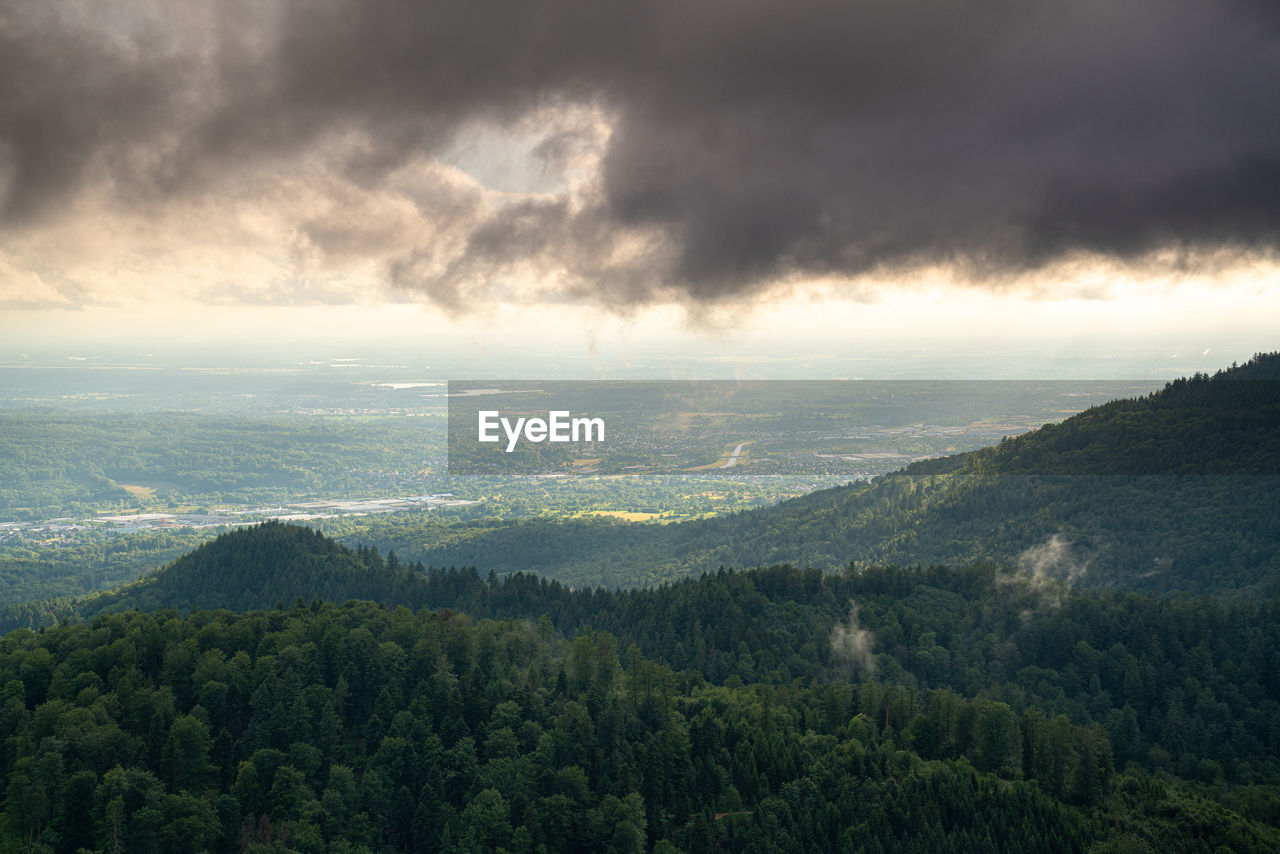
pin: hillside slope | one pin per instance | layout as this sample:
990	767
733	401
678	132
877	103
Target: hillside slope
1176	491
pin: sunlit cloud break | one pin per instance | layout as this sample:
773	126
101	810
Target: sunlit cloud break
290	153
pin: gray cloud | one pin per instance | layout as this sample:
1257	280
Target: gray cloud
750	143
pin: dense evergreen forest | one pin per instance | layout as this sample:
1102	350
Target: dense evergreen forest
773	709
277	691
1175	681
363	728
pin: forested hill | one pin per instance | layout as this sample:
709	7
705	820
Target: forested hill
1125	662
769	710
1172	492
258	566
1227	424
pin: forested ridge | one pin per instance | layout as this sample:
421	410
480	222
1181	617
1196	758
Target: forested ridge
1122	660
872	709
1172	492
362	728
1200	425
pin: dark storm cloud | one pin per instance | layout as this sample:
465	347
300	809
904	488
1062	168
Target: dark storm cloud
752	141
67	95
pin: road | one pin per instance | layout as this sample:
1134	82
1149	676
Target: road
733	458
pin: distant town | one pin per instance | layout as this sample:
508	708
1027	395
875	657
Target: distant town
70	528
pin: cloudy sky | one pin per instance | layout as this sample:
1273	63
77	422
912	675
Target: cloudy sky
688	164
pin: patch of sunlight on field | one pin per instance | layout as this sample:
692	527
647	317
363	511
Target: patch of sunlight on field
628	515
138	490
